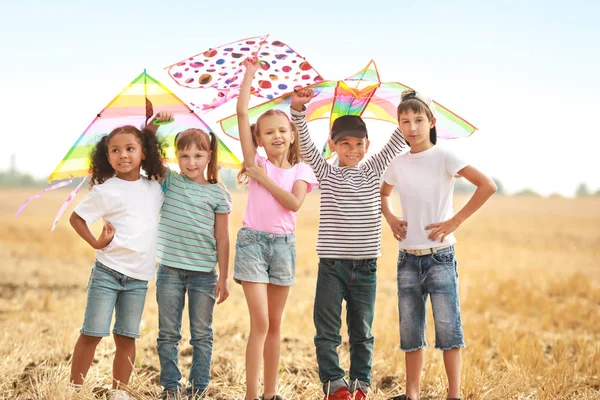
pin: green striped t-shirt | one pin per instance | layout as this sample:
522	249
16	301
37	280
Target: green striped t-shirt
186	232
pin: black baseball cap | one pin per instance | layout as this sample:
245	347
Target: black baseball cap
348	125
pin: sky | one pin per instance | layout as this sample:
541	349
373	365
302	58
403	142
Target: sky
526	73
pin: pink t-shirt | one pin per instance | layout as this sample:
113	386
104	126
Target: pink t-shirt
263	211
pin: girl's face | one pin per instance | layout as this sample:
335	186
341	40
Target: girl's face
275	135
125	155
415	127
193	162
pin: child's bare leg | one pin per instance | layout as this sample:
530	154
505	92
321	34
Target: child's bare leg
256	297
452	365
124	360
277	297
83	355
414	366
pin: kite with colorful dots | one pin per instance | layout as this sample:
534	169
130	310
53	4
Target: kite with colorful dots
282	69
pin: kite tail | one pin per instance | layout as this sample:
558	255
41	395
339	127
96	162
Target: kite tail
67	202
37	196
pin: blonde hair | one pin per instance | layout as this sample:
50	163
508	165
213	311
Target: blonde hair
204	142
293	151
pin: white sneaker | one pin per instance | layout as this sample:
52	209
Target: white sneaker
72	391
117	394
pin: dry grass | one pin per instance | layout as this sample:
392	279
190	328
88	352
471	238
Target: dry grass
530	293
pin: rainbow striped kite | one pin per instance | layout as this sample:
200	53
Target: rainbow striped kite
361	94
135	105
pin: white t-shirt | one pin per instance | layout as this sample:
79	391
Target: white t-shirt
132	207
425	181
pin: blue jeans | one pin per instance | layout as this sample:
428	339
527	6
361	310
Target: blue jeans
354	281
111	292
171	286
432	275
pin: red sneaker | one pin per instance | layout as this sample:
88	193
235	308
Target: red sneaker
341	394
359	394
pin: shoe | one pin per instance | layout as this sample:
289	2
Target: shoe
169	395
341	394
359	394
276	397
117	394
401	397
72	390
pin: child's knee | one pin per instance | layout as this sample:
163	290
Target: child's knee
259	326
89	340
123	341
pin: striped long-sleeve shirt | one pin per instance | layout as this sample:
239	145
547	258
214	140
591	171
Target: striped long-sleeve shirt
350	213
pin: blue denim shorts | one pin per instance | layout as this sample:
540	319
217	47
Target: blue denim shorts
264	257
432	275
110	291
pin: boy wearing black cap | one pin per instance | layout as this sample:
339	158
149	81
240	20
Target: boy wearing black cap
348	245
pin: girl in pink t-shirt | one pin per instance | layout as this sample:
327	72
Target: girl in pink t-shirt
265	259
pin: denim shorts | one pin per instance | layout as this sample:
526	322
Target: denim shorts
110	291
264	257
432	275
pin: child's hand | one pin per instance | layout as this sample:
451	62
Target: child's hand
257	172
442	229
163	116
398	227
222	290
301	97
252	65
107	235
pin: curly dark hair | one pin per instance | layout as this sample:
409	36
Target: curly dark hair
100	168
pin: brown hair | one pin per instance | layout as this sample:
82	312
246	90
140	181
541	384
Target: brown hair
293	151
417	106
204	142
100	167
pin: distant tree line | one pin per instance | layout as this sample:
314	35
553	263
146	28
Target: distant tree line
229	178
18	179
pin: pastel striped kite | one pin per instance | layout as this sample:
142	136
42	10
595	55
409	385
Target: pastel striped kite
135	105
282	69
361	94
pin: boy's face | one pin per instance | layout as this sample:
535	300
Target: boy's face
416	127
350	150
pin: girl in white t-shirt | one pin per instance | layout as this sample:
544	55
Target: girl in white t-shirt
426	264
129	204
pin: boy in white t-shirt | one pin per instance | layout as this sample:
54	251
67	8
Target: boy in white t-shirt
425	179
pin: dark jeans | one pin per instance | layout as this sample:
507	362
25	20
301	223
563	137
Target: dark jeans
354	281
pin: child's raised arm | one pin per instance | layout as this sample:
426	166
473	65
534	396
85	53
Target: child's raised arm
308	150
391	149
248	149
151	129
485	189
